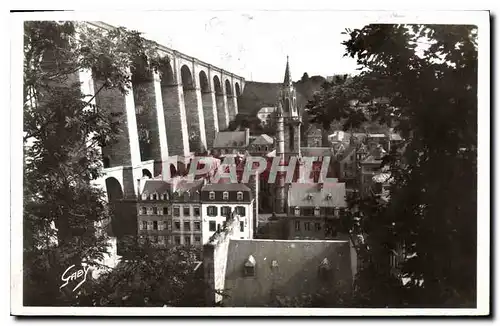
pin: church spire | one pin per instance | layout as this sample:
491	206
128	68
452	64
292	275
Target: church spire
288	80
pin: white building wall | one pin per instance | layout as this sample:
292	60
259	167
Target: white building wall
219	220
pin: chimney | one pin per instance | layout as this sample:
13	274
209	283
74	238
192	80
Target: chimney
138	189
247	136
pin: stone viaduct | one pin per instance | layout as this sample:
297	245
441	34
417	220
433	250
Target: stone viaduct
164	119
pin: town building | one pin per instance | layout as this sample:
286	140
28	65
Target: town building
261	145
223	201
231	142
371	165
314	210
277	273
169	213
265	114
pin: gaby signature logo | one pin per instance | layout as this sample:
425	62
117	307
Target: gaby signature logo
67	276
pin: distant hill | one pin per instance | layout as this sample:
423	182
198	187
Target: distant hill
258	94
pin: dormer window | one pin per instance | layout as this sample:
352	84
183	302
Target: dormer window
165	196
144	196
274	264
249	267
239	195
155	196
297	211
329	196
316	211
309	196
324	270
225	195
211	195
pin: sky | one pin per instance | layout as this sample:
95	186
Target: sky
252	44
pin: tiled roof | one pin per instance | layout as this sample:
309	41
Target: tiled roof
155	186
317	195
225	187
285	268
263	140
316	151
225	139
184	186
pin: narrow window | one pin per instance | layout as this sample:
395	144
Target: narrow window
211	226
187	226
165	211
155	225
177	225
177	211
225	195
186	211
242	226
211	195
239	195
196	211
155	210
297	225
197	226
144	211
187	240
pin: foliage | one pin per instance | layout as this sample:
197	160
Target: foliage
428	76
152	277
63	212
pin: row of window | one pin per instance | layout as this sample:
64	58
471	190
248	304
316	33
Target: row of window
318	211
186	196
225	195
169	225
308	226
213	226
178	240
225	210
176	211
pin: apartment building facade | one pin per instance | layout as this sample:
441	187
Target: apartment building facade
220	202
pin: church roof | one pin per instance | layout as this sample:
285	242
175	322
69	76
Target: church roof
287	80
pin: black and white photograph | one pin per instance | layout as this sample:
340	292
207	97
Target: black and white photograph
250	162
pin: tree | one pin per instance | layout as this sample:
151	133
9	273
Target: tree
63	211
428	73
305	77
151	277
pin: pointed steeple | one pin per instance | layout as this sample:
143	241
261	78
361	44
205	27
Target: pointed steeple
288	80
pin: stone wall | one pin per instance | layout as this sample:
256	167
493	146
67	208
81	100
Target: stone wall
214	262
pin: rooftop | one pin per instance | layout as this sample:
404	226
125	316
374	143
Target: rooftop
284	268
225	139
225	187
317	195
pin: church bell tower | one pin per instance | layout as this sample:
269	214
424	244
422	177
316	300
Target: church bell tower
287	134
290	123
